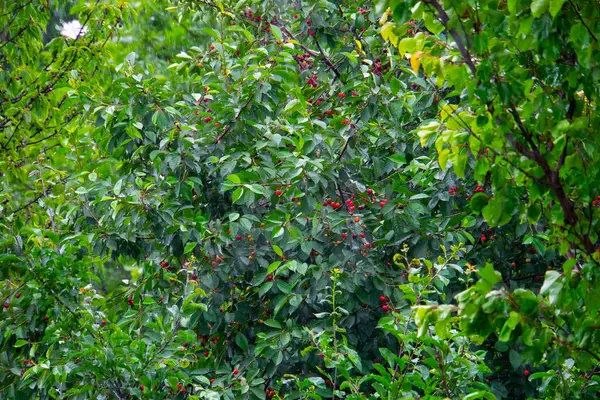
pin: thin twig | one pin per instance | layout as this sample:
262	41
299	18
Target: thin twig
583	21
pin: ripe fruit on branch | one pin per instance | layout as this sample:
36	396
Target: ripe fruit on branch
278	192
385	307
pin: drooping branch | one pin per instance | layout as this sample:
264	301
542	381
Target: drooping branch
444	19
583	21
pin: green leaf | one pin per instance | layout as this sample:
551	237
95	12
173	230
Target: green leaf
241	341
189	247
538	7
273	323
234	178
277	250
488	274
555	7
510	324
21	343
237	194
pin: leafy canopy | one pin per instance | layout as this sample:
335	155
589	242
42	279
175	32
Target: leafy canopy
300	200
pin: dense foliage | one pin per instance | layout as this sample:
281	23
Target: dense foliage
308	199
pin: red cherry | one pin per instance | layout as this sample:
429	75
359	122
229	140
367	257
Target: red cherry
341	95
212	380
238	237
369	191
212	47
310	32
321	355
381	203
382	298
235	371
142	388
328	112
207	119
103	323
362	235
278	192
344	235
526	372
295	16
410	31
483	238
385	307
18	295
6	305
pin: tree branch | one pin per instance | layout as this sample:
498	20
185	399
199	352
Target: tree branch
444	19
582	21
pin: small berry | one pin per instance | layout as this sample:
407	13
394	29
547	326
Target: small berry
278	192
382	298
235	371
526	372
328	112
103	323
321	355
381	203
207	119
238	237
212	47
295	16
369	191
385	307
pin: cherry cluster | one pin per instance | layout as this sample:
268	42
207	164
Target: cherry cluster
312	81
305	62
165	264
